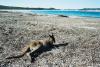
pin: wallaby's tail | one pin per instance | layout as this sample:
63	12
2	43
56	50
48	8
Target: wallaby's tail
19	56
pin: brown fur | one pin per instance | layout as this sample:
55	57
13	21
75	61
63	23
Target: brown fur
34	45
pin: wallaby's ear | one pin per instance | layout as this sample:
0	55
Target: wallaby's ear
50	35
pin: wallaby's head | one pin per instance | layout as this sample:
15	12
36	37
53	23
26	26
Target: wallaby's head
52	37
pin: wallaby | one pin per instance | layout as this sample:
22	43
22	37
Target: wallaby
34	45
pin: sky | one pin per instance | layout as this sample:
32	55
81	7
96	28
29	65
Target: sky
62	4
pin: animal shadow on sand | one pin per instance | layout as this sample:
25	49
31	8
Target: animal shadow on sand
42	49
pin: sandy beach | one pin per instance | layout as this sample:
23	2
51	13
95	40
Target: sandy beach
82	36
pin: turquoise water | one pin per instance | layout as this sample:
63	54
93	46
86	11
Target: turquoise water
68	13
61	12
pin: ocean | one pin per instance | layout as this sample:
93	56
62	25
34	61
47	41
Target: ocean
68	13
62	12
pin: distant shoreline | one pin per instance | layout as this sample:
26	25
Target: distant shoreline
24	8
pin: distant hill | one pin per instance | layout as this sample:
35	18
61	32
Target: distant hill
24	8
